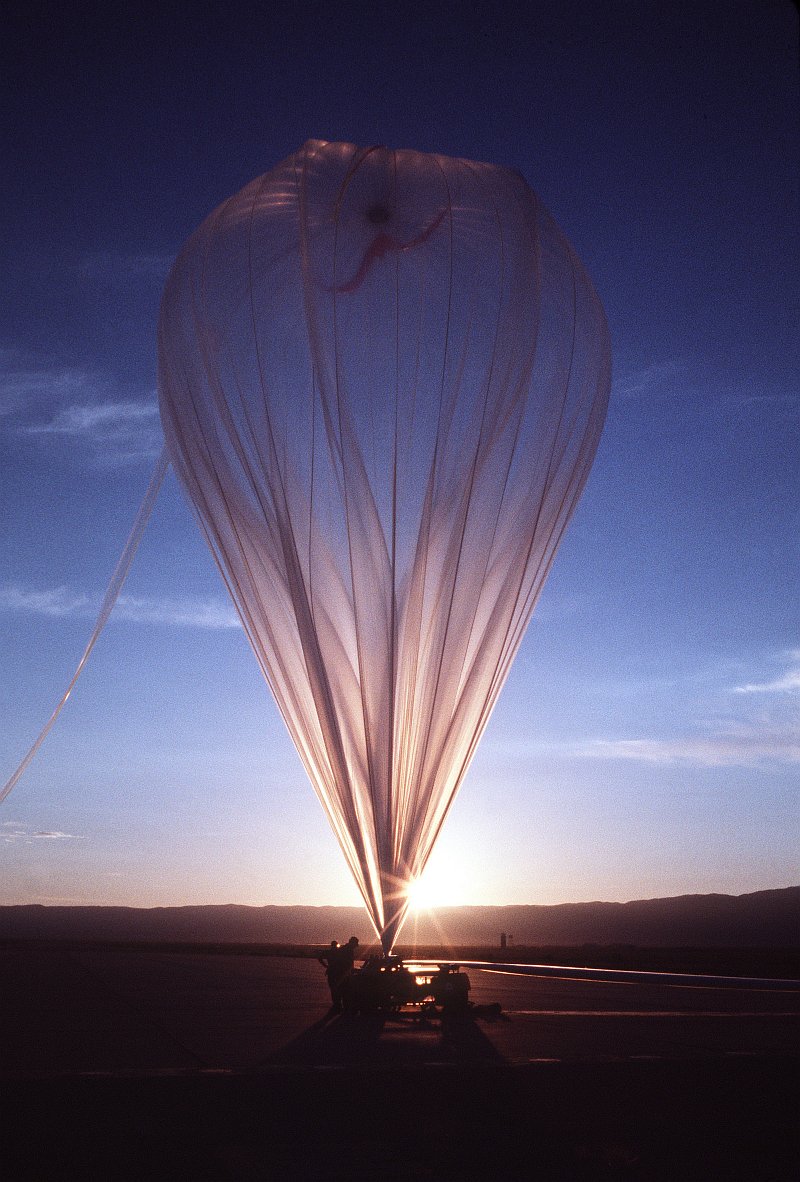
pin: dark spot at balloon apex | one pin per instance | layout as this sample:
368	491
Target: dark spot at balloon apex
378	214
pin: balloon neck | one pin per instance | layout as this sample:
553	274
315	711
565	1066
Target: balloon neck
394	914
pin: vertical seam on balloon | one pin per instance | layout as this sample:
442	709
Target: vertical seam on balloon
553	463
222	408
416	769
390	791
586	449
364	879
495	683
355	164
538	582
289	547
301	213
518	620
409	683
511	454
485	714
252	629
201	430
465	518
214	382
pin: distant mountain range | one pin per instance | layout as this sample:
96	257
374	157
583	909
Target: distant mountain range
760	920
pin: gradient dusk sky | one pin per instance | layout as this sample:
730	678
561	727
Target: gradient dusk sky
647	741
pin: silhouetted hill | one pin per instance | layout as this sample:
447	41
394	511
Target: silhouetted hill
760	920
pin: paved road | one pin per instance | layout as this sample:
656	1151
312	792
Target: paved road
117	1011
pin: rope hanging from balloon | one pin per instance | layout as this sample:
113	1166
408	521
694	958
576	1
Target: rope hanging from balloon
109	600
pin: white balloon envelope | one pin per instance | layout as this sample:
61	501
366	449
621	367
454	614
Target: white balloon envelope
383	378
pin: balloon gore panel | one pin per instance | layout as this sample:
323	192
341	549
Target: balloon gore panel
383	377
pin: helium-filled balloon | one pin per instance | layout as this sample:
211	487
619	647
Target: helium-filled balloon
383	378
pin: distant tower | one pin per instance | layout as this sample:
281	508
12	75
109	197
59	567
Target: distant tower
502	939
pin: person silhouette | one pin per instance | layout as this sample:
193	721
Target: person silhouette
330	962
338	963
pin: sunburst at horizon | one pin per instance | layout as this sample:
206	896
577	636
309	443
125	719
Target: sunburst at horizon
443	883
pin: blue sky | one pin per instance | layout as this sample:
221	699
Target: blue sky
647	741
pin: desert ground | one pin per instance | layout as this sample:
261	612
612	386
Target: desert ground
136	1064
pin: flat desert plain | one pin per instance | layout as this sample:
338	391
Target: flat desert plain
142	1064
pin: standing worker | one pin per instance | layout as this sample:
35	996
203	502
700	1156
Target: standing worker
330	963
338	963
347	956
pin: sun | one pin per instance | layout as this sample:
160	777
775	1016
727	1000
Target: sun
442	884
422	895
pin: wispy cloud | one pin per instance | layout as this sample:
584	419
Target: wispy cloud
721	396
183	613
656	379
116	268
56	835
54	602
130	428
786	682
714	723
59	602
82	407
774	398
23	386
737	748
14	833
742	729
780	403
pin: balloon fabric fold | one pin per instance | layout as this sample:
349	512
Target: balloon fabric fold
383	377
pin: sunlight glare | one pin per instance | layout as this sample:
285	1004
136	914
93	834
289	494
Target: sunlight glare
442	884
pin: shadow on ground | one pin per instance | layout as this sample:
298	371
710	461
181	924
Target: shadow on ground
381	1040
